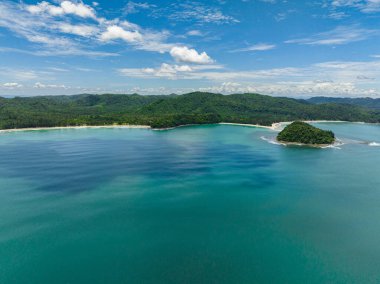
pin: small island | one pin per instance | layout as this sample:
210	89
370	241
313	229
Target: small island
300	132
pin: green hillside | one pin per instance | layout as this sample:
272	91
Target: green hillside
363	102
169	111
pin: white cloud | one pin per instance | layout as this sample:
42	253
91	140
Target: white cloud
116	32
167	71
185	54
365	6
45	32
137	37
332	78
81	30
18	74
338	71
50	33
338	36
194	33
302	89
256	47
57	69
12	85
66	7
337	15
134	7
39	85
192	11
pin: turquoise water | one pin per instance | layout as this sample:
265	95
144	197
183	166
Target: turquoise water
202	204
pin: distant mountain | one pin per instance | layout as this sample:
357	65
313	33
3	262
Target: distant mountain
169	111
364	102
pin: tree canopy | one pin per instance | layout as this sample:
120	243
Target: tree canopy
301	132
169	111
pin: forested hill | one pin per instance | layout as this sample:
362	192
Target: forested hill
169	111
364	102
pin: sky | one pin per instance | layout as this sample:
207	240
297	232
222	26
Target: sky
275	47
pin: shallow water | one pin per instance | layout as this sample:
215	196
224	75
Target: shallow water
200	204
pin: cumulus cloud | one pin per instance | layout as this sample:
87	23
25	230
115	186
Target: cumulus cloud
116	32
332	78
39	24
66	7
136	36
185	54
167	71
36	24
49	34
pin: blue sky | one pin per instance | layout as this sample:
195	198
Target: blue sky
274	47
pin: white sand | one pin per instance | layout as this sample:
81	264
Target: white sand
278	126
74	127
273	127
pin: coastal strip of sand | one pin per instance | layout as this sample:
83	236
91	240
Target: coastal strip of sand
74	127
278	126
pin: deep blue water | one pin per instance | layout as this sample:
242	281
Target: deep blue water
201	204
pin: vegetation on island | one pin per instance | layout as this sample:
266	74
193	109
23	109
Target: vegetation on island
301	132
169	111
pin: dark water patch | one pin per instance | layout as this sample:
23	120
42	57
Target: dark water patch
80	165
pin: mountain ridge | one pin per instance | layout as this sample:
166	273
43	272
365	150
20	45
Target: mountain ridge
168	111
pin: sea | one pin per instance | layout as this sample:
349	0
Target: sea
196	204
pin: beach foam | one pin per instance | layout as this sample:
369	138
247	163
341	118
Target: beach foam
272	141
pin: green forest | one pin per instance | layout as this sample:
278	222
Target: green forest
301	132
169	111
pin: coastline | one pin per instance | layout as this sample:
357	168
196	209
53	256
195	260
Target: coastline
295	144
277	126
274	126
74	127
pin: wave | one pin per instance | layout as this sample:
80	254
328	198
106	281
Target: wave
374	144
274	141
271	140
333	146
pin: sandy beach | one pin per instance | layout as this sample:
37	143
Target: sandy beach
74	127
277	126
273	127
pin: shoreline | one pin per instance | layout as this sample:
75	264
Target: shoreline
277	126
75	127
295	144
273	127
